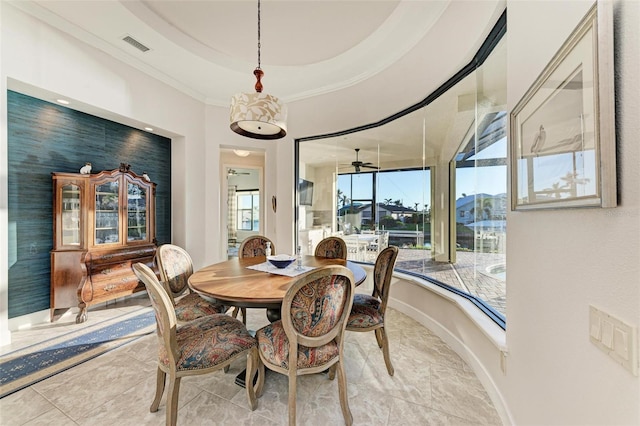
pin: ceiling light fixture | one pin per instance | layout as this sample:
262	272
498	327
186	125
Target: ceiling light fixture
241	152
258	115
63	101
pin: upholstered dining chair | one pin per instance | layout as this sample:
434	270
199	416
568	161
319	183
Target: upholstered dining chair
252	246
255	245
176	267
332	247
309	337
368	312
197	347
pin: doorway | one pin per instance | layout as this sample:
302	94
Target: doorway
243	208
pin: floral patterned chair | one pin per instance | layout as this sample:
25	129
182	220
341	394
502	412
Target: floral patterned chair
253	246
309	337
176	267
367	313
332	247
198	347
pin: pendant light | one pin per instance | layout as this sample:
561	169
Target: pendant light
258	115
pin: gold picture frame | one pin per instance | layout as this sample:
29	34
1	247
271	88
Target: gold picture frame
563	151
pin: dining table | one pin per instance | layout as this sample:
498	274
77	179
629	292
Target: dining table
233	282
252	282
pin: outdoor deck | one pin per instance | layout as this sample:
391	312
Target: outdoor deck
471	273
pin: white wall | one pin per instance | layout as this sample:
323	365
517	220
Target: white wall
562	261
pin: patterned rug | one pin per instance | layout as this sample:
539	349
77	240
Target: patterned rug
32	364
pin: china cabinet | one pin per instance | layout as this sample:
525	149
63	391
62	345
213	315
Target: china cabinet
102	224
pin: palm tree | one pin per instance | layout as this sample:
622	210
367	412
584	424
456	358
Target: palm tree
387	201
340	196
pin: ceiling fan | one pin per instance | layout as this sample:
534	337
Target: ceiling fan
359	164
232	172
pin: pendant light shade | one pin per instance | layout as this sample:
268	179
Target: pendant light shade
258	115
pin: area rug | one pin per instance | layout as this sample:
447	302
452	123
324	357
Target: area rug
32	364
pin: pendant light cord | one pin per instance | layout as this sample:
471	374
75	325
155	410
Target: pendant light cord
258	71
258	34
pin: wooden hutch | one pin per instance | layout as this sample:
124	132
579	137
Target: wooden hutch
102	224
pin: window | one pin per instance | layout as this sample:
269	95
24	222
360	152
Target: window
481	203
435	184
248	210
391	200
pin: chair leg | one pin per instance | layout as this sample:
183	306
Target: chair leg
235	312
160	379
385	350
252	366
172	400
344	398
332	372
292	398
378	337
261	377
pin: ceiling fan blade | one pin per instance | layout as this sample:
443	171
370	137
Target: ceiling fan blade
232	172
370	167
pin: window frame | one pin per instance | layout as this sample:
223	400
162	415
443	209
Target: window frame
253	193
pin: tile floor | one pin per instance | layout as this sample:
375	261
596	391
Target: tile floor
431	385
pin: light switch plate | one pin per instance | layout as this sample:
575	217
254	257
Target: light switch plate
614	337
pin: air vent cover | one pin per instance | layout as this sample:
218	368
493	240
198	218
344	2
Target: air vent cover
135	43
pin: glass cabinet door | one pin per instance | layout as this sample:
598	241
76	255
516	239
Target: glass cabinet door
136	212
70	213
107	208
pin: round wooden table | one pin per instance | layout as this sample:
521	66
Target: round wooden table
231	283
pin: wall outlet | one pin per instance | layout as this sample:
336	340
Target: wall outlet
614	337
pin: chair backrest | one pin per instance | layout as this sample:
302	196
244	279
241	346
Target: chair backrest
166	320
255	246
332	247
382	273
316	307
175	267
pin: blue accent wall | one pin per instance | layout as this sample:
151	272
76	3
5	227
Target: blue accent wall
43	138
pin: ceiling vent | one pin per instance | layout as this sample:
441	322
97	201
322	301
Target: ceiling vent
135	43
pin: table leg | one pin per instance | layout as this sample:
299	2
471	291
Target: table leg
241	378
273	315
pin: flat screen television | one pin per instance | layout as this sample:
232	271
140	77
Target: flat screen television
305	191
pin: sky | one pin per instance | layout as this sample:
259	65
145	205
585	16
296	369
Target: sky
414	186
